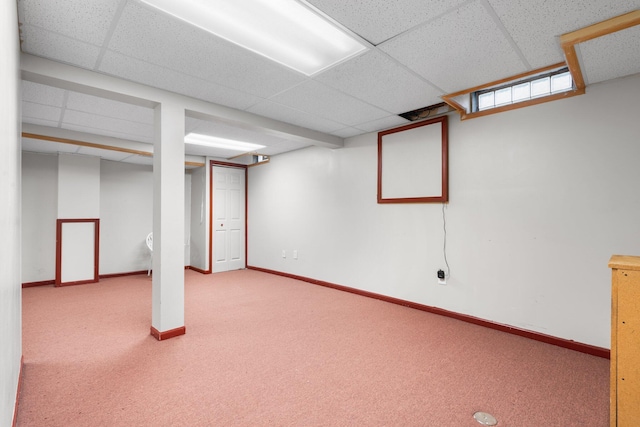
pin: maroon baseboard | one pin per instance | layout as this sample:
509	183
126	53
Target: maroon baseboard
130	273
560	342
20	378
42	283
165	335
79	282
199	270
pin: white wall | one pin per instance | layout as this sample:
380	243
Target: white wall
78	186
198	218
39	214
10	291
126	216
540	198
125	201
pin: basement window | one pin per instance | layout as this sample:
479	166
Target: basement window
523	90
530	88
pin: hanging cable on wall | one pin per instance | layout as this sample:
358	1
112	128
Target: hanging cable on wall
444	240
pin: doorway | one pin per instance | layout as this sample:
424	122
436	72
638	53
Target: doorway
229	218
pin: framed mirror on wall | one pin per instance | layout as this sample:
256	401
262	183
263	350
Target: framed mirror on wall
413	163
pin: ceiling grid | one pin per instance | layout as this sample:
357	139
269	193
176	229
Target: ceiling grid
419	51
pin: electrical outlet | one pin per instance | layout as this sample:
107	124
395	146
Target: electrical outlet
284	253
295	254
442	278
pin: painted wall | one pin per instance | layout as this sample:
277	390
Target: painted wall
125	201
199	219
540	198
126	216
10	291
39	214
78	186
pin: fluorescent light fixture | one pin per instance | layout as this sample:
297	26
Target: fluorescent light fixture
215	142
285	31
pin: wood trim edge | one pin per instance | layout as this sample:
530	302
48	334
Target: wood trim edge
599	29
18	391
198	270
548	339
165	335
504	80
128	273
443	197
41	283
569	41
96	250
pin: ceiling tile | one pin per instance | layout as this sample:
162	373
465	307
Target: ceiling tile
283	148
105	154
378	80
39	111
293	116
42	94
612	56
385	123
60	48
164	78
199	150
192	51
458	51
107	132
85	20
379	20
535	25
347	132
223	130
41	122
139	160
109	108
136	131
322	101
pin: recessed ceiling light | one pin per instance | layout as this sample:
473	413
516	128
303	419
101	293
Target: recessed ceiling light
215	142
285	31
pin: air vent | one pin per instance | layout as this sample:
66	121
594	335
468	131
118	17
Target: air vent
429	112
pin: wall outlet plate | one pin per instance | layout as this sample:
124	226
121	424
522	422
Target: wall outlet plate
284	253
442	281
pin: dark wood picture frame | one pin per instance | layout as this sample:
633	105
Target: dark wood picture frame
443	197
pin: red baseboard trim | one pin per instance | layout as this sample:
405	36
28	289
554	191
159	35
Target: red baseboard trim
165	335
130	273
34	284
79	282
560	342
18	390
199	270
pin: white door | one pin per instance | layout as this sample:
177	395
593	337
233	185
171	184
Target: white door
229	218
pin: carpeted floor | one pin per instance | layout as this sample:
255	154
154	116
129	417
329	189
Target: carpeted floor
263	350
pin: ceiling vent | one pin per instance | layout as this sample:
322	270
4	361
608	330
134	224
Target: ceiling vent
429	112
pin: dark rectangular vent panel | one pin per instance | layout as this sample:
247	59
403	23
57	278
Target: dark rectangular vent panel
429	112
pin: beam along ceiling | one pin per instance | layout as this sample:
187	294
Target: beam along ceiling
418	50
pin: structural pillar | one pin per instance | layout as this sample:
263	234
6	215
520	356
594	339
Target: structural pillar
167	317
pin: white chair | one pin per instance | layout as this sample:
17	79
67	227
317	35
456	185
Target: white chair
150	246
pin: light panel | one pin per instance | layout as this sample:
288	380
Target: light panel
215	142
285	31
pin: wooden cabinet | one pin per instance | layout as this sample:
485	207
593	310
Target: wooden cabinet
625	341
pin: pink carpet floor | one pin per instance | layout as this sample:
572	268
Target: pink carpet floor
263	350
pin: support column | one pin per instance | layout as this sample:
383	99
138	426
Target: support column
167	317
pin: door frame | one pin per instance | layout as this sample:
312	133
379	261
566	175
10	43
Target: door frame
96	250
213	163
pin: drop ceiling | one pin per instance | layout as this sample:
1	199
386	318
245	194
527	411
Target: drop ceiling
418	50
